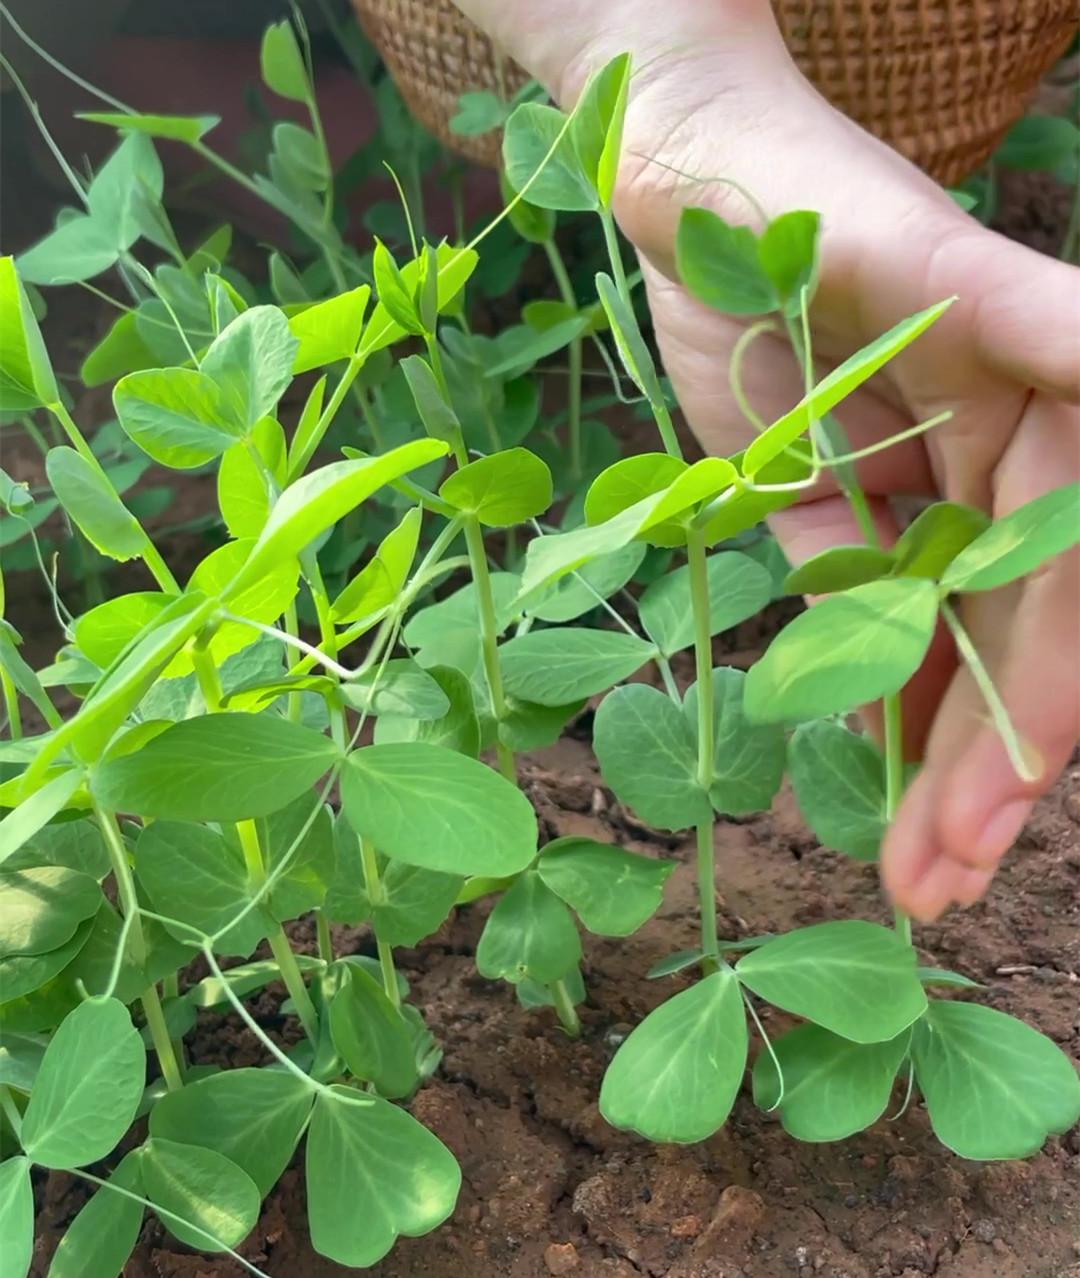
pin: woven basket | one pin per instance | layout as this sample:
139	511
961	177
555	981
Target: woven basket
940	80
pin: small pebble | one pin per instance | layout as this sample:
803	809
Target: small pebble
561	1258
687	1227
984	1230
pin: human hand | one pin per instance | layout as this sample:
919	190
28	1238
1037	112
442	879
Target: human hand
716	95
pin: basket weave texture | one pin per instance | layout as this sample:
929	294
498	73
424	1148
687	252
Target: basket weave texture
940	80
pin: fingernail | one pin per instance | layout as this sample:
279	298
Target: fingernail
1002	830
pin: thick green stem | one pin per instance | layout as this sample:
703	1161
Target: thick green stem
894	781
325	940
706	743
566	292
611	240
206	672
11	704
489	640
279	942
129	907
298	464
374	888
564	1007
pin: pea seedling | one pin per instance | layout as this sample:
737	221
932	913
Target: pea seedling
217	770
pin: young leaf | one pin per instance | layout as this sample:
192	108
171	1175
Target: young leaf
611	890
221	767
478	113
1018	543
597	126
251	361
530	934
556	667
836	386
847	650
26	376
748	763
24	821
330	330
832	1088
720	265
414	903
42	906
206	1200
371	1035
91	502
458	729
935	537
102	1236
16	1216
88	1088
192	874
788	252
839	568
738	588
245	495
381	1156
427	806
647	752
455	266
573	596
254	1117
856	979
320	499
839	781
122	350
550	178
77	250
177	416
437	414
104	632
178	128
519	349
380	581
282	63
633	351
677	1075
501	490
995	1088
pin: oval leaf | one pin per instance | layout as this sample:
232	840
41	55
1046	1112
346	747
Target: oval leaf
557	667
203	1198
611	890
529	935
839	781
501	490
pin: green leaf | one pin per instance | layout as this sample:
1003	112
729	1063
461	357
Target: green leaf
839	568
527	726
832	1087
748	763
251	361
23	822
282	64
677	1075
788	253
381	580
995	1088
101	1238
532	223
177	416
520	348
504	489
935	537
42	906
559	182
647	753
839	781
530	934
244	494
126	190
631	346
847	650
478	113
88	1087
93	505
104	632
302	834
837	385
677	962
221	767
597	127
77	250
738	514
122	350
427	806
856	979
458	729
720	265
26	376
320	499
455	266
371	1035
738	588
942	976
203	1198
437	414
330	330
178	128
556	667
16	1216
611	890
20	1056
413	903
194	875
1018	543
397	297
400	687
381	1156
1039	142
572	596
447	632
254	1117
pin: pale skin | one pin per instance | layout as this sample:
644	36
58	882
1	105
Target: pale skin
716	94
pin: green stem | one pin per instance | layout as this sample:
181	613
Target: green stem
299	463
11	1111
611	240
170	989
294	700
325	940
129	907
489	640
11	703
706	743
329	644
206	672
279	942
374	888
564	1006
566	291
894	782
